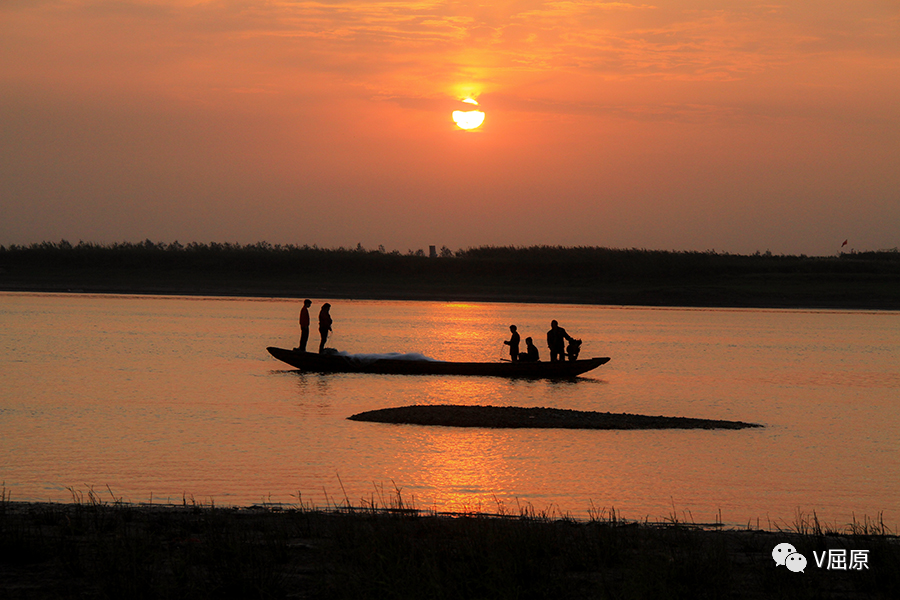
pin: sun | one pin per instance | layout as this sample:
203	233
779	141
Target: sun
468	119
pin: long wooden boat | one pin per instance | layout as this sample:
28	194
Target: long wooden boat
340	363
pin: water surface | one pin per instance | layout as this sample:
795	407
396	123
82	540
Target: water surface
167	398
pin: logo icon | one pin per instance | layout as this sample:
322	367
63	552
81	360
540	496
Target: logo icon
781	552
795	562
786	555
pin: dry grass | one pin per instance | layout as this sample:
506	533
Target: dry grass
100	547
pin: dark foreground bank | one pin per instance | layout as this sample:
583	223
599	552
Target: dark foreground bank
513	417
95	550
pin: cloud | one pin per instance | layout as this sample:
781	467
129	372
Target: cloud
423	48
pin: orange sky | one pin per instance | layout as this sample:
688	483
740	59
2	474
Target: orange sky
691	125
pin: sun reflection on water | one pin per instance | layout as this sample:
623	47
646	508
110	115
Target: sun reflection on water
461	468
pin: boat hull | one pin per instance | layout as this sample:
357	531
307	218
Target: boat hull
336	363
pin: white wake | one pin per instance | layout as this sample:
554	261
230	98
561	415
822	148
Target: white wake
372	357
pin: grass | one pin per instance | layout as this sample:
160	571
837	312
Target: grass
96	547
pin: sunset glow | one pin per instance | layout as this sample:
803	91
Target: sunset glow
675	125
468	119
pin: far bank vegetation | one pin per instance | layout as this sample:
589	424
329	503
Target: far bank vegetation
592	275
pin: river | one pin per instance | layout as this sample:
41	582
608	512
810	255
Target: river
172	399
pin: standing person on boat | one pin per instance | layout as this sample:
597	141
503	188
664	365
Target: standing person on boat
304	325
513	343
324	325
531	352
556	341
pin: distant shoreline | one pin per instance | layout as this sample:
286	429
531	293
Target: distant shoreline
646	299
590	276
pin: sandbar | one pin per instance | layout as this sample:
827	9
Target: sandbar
451	415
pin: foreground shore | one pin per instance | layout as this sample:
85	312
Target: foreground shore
96	550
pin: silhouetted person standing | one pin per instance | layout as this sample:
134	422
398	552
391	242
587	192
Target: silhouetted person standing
513	344
531	352
304	325
324	325
556	341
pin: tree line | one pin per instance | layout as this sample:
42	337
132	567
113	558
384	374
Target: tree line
583	274
552	262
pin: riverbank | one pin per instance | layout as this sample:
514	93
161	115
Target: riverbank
600	276
91	549
511	417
